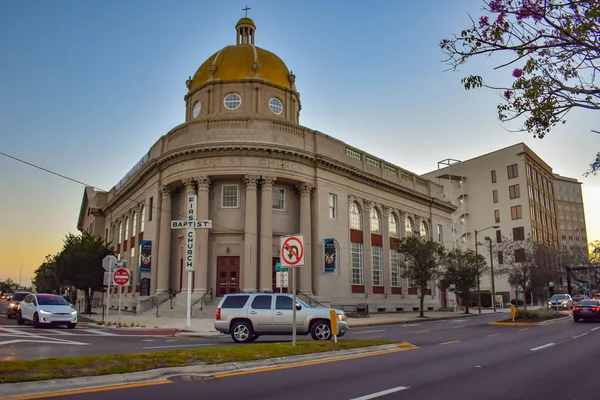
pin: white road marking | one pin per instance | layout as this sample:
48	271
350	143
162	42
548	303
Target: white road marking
411	325
543	346
361	332
101	332
176	345
60	332
578	336
595	329
382	393
51	341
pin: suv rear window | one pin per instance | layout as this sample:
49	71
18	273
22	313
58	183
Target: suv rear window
235	301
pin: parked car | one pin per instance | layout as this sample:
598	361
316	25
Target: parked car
561	301
586	309
13	304
42	309
246	316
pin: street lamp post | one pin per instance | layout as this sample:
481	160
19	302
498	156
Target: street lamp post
479	272
492	270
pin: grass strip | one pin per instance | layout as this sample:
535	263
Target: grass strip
539	315
71	367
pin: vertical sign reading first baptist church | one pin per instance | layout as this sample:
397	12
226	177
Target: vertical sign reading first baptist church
330	255
146	256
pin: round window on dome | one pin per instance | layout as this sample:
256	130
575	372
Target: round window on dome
232	101
197	109
275	105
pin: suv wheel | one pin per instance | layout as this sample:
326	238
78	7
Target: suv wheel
321	330
241	332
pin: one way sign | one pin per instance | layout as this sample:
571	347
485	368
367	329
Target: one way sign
292	251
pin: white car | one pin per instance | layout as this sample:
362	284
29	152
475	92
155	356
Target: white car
42	309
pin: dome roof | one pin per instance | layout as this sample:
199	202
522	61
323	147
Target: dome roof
242	61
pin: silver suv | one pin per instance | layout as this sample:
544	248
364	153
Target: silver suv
246	316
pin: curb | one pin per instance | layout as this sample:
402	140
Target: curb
541	323
54	386
201	335
415	320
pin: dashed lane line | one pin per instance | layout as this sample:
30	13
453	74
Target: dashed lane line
595	329
425	331
382	393
542	346
363	332
578	336
524	329
450	342
493	335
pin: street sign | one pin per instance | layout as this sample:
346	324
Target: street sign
109	261
180	224
282	279
279	268
292	251
121	277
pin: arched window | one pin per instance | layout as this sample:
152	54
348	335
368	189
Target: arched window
375	221
121	232
393	223
143	219
126	227
409	225
355	216
134	225
424	231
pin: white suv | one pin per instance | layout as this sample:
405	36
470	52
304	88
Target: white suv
246	316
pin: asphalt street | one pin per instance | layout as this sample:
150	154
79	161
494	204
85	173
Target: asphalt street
479	361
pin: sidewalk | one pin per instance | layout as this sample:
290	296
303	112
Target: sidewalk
205	327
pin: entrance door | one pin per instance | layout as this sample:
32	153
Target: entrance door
228	270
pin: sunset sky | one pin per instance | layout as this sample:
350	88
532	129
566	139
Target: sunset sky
88	87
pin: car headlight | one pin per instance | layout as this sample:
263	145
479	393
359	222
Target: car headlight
44	312
12	305
341	317
73	312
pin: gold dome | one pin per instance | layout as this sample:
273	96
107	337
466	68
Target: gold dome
242	61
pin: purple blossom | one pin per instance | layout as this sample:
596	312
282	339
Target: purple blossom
507	94
496	6
517	72
484	21
500	19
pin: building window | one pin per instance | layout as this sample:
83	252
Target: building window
197	108
150	208
229	196
409	226
440	234
142	219
497	216
375	221
275	106
495	196
515	212
355	217
332	206
494	176
500	258
353	154
513	171
389	169
529	171
232	101
395	266
372	162
393	225
424	230
530	191
377	267
519	233
134	225
279	199
498	236
514	191
121	232
357	264
520	255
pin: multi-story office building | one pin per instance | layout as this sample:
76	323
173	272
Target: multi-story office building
508	193
571	216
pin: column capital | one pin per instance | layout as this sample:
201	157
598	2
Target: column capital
305	188
267	182
189	184
386	211
251	181
203	182
368	204
165	191
402	216
351	199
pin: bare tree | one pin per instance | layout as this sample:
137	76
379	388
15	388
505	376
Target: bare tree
518	263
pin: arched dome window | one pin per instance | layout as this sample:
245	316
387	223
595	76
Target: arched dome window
232	101
276	106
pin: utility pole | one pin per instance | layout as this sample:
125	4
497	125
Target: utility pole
21	276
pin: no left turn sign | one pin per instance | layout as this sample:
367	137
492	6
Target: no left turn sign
292	251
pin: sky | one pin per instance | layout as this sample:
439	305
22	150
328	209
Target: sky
87	87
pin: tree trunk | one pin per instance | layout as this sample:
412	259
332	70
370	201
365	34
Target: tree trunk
91	297
422	301
467	298
88	308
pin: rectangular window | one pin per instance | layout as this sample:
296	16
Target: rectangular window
530	191
377	266
497	216
372	162
395	264
495	196
520	255
498	236
150	208
494	176
353	154
440	234
229	196
513	171
515	212
528	171
278	199
332	206
519	233
500	258
514	191
142	219
356	255
389	169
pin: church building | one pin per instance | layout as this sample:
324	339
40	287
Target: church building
260	175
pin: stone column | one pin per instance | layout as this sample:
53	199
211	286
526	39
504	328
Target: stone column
266	234
138	248
201	262
164	248
189	185
250	272
385	237
367	253
306	228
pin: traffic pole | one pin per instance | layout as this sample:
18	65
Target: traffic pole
189	299
293	306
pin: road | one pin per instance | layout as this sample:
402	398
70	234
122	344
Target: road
471	360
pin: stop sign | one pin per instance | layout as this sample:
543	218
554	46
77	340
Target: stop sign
121	277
